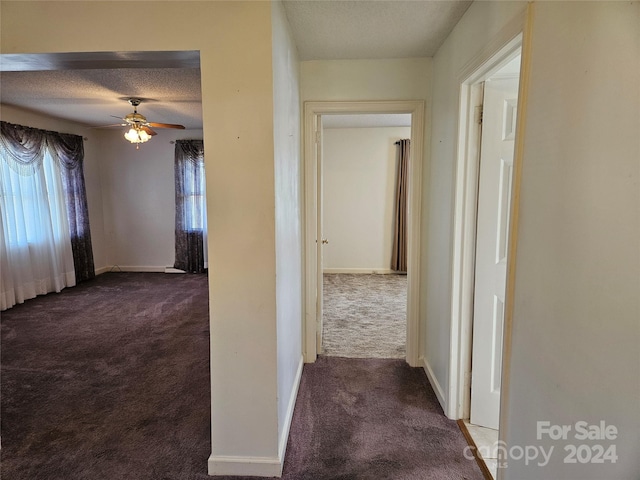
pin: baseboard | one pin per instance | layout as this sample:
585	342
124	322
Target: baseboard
173	270
245	466
284	437
260	466
101	270
379	271
136	268
434	384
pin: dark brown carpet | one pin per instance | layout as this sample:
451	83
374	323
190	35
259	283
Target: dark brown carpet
372	419
110	380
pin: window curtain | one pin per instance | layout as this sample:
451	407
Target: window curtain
69	151
399	251
39	172
191	214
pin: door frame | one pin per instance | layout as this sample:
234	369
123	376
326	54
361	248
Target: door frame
312	111
505	46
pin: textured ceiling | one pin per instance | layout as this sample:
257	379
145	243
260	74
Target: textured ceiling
371	29
90	88
91	96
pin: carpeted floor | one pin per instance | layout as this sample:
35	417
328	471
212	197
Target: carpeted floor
371	419
110	380
364	316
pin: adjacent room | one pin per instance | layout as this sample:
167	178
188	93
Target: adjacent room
103	211
363	210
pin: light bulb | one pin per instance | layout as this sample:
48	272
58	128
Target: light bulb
132	136
137	135
143	135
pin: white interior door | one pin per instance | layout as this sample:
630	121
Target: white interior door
319	237
492	236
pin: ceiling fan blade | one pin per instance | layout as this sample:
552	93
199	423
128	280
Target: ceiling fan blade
165	125
109	126
115	116
149	131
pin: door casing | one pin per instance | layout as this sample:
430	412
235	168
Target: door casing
511	40
312	168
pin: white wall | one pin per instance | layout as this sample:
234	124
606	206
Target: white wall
288	206
139	198
359	185
479	25
576	322
234	40
91	167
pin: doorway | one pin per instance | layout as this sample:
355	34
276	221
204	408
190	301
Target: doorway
313	113
364	298
495	180
484	189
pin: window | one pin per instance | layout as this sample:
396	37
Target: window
191	212
34	204
193	196
35	242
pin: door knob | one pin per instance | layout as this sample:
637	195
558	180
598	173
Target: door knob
325	241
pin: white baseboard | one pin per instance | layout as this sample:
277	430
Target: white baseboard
173	270
245	466
434	384
135	268
284	437
380	271
101	270
260	466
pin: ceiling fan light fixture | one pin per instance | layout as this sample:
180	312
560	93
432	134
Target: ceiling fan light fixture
137	135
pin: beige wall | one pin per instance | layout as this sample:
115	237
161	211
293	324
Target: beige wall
359	185
482	22
234	40
395	79
576	327
576	320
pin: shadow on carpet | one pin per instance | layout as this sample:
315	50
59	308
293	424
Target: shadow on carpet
371	419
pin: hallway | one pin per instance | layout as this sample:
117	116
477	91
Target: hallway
371	419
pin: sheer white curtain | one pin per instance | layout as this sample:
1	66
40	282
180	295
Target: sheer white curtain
35	245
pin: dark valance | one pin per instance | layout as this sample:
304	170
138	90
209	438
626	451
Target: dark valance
191	151
25	148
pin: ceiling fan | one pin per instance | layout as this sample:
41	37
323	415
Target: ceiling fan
139	128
